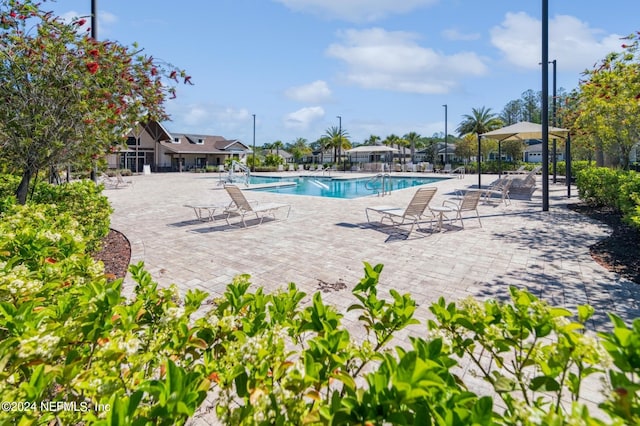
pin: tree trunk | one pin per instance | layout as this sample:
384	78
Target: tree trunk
23	187
599	157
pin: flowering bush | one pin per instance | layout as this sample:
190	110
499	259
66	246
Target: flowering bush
68	96
68	335
84	201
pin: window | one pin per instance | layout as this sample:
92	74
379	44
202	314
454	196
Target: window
200	141
132	141
176	140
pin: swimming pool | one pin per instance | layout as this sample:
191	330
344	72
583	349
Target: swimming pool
336	187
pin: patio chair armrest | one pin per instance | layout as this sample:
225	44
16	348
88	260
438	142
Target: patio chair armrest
450	203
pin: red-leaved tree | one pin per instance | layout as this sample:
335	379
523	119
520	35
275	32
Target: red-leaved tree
65	97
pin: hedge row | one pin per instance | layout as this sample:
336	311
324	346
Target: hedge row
616	189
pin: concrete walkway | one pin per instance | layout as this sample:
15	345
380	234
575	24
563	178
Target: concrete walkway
323	243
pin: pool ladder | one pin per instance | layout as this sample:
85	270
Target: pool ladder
385	184
246	173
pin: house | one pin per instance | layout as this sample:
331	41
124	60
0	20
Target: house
533	153
150	144
322	156
436	153
285	155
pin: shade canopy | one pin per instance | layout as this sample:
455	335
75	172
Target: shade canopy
371	148
524	130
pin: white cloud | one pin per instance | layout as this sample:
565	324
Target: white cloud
105	19
207	118
355	10
455	35
574	44
303	118
380	59
314	93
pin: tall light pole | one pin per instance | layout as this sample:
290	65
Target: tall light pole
253	162
555	161
545	105
339	117
446	132
94	35
94	19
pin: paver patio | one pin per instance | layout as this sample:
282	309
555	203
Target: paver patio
325	240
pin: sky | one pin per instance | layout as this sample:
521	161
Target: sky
383	66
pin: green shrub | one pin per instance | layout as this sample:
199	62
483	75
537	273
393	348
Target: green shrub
576	167
121	172
629	198
84	201
68	335
8	185
599	186
615	189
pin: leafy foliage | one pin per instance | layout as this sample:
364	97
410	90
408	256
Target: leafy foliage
82	200
616	189
67	97
68	335
481	120
607	108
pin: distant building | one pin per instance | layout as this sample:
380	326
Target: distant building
533	153
285	155
150	144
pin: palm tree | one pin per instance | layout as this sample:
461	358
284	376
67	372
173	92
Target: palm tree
372	140
277	145
299	148
337	140
322	144
413	138
403	143
390	141
480	121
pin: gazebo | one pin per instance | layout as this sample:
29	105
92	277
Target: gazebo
525	130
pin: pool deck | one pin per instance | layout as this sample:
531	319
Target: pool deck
323	243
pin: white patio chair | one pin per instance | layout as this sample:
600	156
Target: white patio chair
413	213
469	202
519	171
243	207
500	188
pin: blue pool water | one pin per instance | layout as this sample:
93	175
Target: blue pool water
337	188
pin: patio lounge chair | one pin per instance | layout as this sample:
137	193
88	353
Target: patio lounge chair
525	185
108	181
115	182
519	171
500	188
469	202
242	207
460	171
413	213
446	169
206	212
121	181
